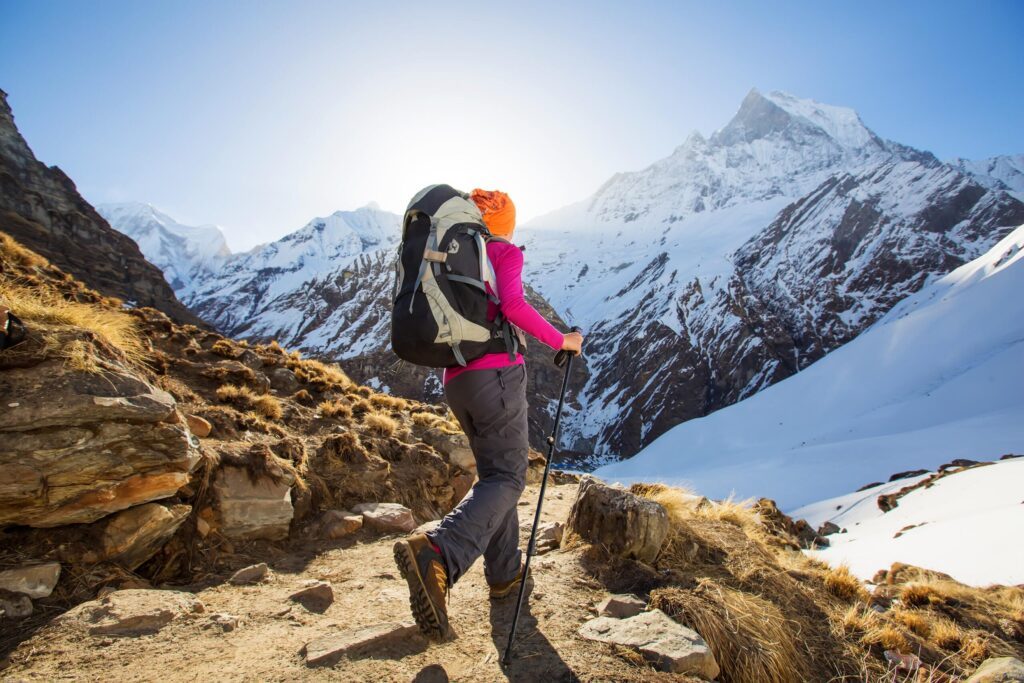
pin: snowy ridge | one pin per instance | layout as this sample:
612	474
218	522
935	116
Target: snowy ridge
257	293
183	252
937	378
1002	172
980	507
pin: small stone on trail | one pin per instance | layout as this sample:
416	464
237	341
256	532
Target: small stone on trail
386	517
131	612
549	536
621	606
254	573
226	622
335	524
316	597
34	580
14	605
669	645
328	651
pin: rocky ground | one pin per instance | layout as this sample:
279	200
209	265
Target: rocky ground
268	632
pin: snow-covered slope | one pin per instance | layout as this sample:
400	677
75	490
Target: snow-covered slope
743	258
1002	172
183	252
939	377
279	290
980	507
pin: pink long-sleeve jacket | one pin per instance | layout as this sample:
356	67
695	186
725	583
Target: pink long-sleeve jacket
507	260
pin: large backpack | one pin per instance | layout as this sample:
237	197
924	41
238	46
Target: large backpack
439	316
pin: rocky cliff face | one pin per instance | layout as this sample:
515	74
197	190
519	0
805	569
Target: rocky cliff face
40	207
744	257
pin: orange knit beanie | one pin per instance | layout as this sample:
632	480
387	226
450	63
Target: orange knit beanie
498	211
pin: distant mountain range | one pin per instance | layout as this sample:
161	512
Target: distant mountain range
733	263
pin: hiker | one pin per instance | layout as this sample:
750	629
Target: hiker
488	396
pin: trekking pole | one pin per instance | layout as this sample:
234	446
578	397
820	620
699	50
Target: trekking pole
561	358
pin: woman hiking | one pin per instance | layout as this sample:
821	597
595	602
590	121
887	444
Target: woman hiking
488	397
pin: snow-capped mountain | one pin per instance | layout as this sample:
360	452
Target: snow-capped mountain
1002	172
183	252
742	258
937	378
277	290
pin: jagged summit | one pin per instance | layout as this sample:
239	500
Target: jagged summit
778	113
183	252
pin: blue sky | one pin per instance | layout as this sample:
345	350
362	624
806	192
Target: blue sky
260	115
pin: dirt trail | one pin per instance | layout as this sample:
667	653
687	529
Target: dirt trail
368	591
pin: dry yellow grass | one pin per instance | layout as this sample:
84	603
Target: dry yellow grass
361	407
946	634
268	406
919	595
338	409
887	636
14	252
47	313
224	348
265	406
748	635
380	424
317	374
232	393
390	402
917	622
844	585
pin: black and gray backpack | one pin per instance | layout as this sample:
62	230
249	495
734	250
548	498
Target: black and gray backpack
439	317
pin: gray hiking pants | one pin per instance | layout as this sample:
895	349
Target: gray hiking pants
491	407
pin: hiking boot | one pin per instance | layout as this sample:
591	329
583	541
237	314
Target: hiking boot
503	590
423	568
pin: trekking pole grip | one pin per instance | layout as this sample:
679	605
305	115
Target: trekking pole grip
562	354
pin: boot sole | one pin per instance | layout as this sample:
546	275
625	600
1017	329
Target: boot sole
432	621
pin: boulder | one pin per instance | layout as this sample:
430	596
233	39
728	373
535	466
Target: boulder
828	528
14	605
130	612
198	426
999	670
254	573
626	524
250	509
454	446
283	381
316	597
386	517
33	580
79	446
132	536
335	524
371	639
621	606
669	645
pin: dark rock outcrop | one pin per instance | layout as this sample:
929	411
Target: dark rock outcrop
41	208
